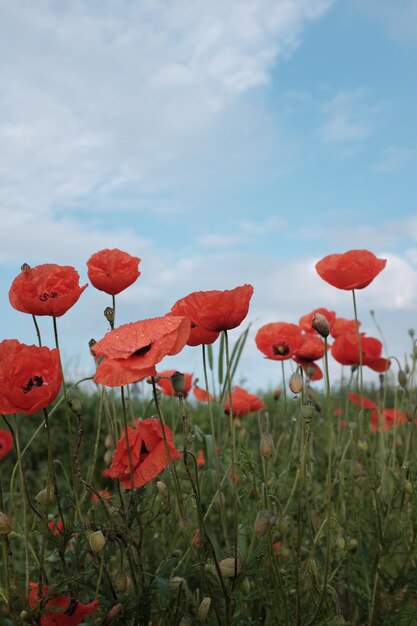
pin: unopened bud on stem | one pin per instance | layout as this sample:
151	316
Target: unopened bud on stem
178	382
320	324
296	382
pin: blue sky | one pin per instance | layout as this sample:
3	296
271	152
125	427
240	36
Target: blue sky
222	142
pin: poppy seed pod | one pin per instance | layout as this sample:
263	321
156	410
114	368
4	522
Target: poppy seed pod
109	314
178	382
75	405
109	442
229	567
25	267
108	456
203	609
296	382
320	324
5	524
97	541
262	523
308	410
163	491
277	393
266	446
402	378
176	583
45	495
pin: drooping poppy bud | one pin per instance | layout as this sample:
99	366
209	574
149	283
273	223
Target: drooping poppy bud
320	324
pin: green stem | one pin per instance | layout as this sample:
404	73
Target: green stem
233	446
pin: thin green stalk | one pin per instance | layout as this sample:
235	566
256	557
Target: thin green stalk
233	447
360	358
37	331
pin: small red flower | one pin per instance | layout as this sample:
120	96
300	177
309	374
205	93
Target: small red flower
131	351
342	326
165	384
104	493
345	350
56	527
381	419
198	335
201	394
30	377
46	290
305	321
243	403
217	310
112	271
6	442
62	610
279	340
311	348
147	451
354	269
312	370
200	458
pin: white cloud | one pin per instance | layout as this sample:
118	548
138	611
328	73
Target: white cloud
348	117
106	96
392	160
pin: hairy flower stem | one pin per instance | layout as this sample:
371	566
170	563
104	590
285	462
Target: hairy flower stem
171	465
216	458
233	446
25	508
129	453
50	471
37	331
361	429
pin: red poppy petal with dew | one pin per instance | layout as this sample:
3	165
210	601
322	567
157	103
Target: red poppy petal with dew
202	395
119	372
359	401
311	348
354	269
342	326
312	370
278	340
243	402
6	442
61	610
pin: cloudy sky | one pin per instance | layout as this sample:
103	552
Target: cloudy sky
222	142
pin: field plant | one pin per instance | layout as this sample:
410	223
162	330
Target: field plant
140	496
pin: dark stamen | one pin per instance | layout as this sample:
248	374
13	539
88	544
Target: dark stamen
281	348
35	381
142	351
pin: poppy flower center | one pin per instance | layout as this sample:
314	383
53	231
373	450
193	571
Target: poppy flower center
143	449
35	381
281	348
45	296
142	351
72	607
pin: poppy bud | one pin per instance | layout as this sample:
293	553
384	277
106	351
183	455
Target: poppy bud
109	442
5	524
120	583
266	446
176	583
277	393
320	324
25	267
246	585
407	486
164	492
402	378
45	496
340	543
307	410
97	541
178	382
229	566
108	455
75	405
353	545
362	445
91	345
203	609
296	382
411	332
262	523
114	612
282	524
109	314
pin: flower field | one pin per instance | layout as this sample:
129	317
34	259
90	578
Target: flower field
142	495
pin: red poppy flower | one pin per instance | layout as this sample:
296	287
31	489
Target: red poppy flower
6	442
354	269
311	348
305	321
62	610
30	377
201	394
217	310
243	403
342	326
147	451
104	493
56	527
312	370
198	334
345	350
165	384
200	458
132	351
112	271
279	340
381	419
46	290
